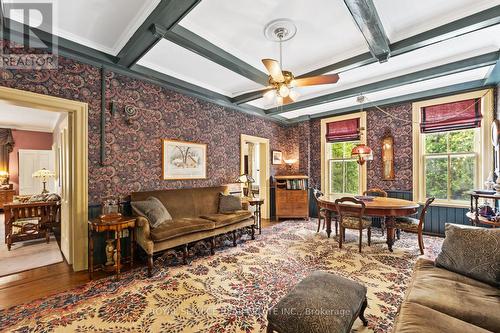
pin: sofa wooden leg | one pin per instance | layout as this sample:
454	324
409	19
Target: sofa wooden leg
212	245
253	232
150	265
362	312
185	254
234	237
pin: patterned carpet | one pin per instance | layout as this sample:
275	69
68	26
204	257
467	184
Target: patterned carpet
230	291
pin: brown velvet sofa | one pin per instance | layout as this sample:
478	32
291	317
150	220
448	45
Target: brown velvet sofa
439	300
195	217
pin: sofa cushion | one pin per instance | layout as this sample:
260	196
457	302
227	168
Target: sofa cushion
153	209
418	318
179	227
474	252
455	295
222	220
229	203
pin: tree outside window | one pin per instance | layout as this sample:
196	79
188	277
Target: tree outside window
343	171
450	162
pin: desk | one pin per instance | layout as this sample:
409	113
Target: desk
390	208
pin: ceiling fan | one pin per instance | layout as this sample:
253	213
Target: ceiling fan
282	82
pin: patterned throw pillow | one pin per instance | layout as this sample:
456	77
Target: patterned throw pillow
229	203
153	209
473	252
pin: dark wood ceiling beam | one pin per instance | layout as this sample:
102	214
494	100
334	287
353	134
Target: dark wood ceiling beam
366	18
494	75
475	22
191	41
487	59
167	14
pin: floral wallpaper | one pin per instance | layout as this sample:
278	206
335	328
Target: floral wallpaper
133	160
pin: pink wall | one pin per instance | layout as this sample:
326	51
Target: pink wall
26	140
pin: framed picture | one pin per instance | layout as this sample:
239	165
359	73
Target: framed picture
277	157
183	160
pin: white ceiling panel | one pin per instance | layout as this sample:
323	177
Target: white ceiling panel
103	25
472	75
28	119
405	18
326	32
171	59
463	47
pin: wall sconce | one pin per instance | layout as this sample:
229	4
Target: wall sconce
289	163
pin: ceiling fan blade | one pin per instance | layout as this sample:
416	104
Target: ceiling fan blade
288	100
317	80
274	69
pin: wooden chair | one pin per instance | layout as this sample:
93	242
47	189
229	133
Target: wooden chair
322	212
377	192
353	219
414	225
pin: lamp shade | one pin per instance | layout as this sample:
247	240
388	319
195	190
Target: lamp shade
245	178
4	174
43	174
363	153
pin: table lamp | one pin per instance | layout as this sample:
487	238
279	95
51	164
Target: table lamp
247	180
4	176
43	175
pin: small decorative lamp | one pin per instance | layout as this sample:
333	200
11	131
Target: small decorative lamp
44	175
363	153
289	163
247	180
4	176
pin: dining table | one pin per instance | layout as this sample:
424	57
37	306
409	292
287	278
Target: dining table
388	208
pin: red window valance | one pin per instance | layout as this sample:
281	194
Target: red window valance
343	130
451	116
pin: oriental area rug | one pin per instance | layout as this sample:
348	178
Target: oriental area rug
230	291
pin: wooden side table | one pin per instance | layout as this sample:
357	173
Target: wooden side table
258	210
117	225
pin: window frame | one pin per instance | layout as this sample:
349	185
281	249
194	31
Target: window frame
325	179
482	146
343	161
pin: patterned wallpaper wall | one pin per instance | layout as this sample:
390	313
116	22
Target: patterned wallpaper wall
133	160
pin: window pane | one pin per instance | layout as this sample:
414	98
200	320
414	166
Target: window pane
336	150
435	143
336	177
436	177
462	176
352	177
461	141
348	146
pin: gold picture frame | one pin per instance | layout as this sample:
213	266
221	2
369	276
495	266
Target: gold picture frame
183	160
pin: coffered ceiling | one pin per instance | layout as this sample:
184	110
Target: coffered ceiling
213	49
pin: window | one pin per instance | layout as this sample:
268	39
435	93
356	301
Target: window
450	164
343	171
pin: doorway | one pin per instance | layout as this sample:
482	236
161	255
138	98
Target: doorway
70	149
255	161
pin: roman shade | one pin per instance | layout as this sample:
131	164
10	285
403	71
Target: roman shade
343	130
451	116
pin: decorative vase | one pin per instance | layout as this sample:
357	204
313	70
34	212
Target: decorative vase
497	185
489	183
110	252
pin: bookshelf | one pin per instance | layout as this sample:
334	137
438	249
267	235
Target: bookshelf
291	196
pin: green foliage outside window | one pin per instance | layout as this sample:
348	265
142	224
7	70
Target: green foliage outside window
450	164
343	170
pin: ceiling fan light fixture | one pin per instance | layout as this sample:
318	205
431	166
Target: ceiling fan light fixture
294	95
270	96
279	100
284	91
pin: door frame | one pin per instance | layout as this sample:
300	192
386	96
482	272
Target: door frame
265	168
78	120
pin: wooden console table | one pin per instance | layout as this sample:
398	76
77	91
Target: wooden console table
20	217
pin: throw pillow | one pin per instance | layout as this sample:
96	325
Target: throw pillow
473	252
153	209
229	203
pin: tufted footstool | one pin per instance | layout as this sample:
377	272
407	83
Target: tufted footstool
320	303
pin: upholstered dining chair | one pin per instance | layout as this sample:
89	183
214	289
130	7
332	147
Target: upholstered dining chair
377	192
411	224
322	213
353	220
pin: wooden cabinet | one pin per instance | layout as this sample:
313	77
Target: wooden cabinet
6	196
291	197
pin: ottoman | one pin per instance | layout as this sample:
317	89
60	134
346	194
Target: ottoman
320	303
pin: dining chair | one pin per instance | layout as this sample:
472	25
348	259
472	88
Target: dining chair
377	192
322	212
352	220
411	224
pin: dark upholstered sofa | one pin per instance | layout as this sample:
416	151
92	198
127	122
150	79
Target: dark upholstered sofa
195	217
439	300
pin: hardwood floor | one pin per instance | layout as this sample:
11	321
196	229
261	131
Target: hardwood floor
41	282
